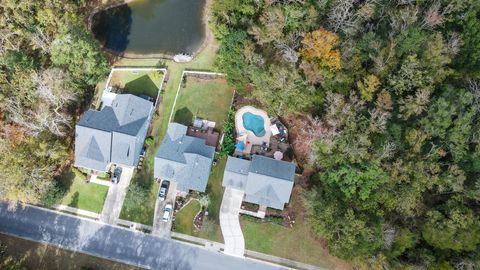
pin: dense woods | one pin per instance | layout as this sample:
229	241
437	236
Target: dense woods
49	64
390	91
384	97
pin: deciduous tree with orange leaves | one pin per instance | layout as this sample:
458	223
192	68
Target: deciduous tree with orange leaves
320	46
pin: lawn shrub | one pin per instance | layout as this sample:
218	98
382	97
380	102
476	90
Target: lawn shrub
228	144
149	140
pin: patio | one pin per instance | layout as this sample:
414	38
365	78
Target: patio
246	136
209	135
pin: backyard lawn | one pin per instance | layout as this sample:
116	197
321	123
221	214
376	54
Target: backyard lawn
138	82
206	98
160	122
81	195
298	243
184	217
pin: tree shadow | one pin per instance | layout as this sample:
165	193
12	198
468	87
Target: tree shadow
183	116
112	27
142	86
66	179
74	201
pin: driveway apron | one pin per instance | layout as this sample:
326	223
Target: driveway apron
161	228
115	197
230	223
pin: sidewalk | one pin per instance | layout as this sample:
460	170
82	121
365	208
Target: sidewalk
95	180
218	247
76	211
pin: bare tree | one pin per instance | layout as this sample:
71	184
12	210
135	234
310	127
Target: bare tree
389	233
474	86
341	17
49	113
404	18
288	48
454	42
433	16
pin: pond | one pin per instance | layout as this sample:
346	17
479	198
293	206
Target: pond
151	27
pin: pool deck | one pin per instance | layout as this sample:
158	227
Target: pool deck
250	136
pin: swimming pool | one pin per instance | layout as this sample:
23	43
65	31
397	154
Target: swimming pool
254	123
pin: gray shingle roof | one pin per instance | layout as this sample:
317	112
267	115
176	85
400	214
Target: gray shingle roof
184	159
264	180
236	173
114	134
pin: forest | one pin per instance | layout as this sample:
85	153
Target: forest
382	98
385	101
49	65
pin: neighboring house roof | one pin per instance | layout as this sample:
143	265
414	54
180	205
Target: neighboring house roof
236	173
264	180
113	133
184	159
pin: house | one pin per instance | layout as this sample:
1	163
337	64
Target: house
265	181
113	135
184	159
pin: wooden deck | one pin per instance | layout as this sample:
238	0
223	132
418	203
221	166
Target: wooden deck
210	135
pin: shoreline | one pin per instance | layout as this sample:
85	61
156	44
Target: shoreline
207	40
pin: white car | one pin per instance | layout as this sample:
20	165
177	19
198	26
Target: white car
167	211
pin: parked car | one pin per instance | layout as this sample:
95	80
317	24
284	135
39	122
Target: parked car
163	190
167	211
116	175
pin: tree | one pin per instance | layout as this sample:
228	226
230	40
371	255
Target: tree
281	90
455	227
270	27
320	47
469	56
75	48
368	86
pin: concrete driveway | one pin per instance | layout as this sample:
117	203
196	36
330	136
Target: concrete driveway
115	197
230	223
161	228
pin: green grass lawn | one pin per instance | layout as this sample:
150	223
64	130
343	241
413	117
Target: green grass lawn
211	224
206	98
138	82
184	217
140	210
203	61
90	197
298	243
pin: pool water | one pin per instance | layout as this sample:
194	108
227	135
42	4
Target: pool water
254	123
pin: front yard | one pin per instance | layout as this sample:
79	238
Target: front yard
206	98
184	217
82	195
298	243
211	225
139	204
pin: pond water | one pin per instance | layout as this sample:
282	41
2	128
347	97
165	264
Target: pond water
254	123
151	27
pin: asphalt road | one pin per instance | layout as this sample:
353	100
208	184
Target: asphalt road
115	243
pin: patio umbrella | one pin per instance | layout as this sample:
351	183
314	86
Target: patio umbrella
278	155
240	146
